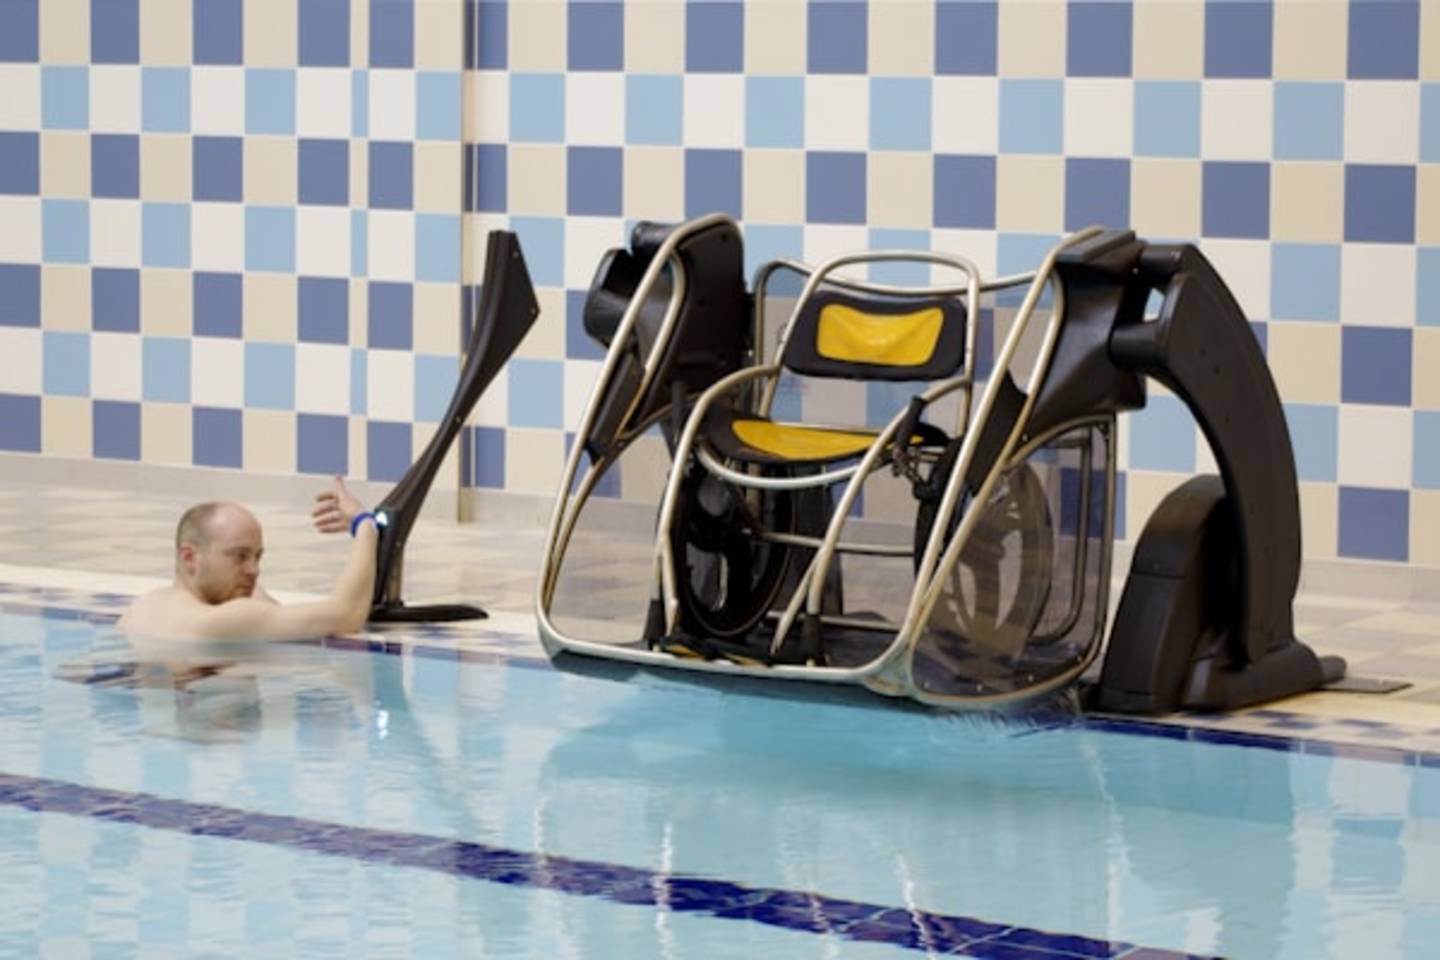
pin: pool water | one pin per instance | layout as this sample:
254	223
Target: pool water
413	801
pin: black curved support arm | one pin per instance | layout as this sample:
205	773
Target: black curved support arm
1201	347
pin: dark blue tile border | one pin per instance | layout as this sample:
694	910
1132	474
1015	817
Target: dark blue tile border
802	911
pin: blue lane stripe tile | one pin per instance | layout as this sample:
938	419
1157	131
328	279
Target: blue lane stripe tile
722	899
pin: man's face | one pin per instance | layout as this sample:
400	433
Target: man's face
228	565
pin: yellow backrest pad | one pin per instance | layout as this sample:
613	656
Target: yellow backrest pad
892	340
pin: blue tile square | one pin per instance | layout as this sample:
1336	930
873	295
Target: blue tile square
486	177
65	226
1384	39
437	247
1304	282
837	37
437	107
165	234
324	174
900	272
1099	38
1315	436
323	309
1374	524
1430	123
1032	116
270	376
774	112
165	369
322	444
764	243
269	101
217	168
359	372
1020	253
217	437
900	113
1427	449
1427	287
964	191
390	321
216	304
596	34
1236	199
270	239
1379	203
1375	365
537	107
593	181
1162	436
19	295
165	99
218	31
387	450
20	31
537	393
487	447
835	187
1167	118
19	420
115	428
392	175
19	162
324	33
966	37
1097	192
115	300
714	36
487	32
1238	38
578	344
1309	121
543	240
654	108
392	33
435	380
66	364
64	98
114	31
713	182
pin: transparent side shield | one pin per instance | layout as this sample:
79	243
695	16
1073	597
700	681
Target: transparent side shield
1024	606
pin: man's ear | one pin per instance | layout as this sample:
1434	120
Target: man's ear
186	553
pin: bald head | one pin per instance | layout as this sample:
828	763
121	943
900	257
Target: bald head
217	550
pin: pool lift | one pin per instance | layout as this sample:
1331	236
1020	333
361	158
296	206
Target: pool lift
1007	562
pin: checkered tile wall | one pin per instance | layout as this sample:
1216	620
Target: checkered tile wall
241	234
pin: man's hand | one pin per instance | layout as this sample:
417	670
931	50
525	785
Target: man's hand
335	508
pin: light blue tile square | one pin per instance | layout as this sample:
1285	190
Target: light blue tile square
900	272
437	247
775	111
269	101
435	379
270	376
1162	436
765	243
65	226
270	239
1427	287
900	113
654	109
537	393
66	364
884	399
1167	118
1315	436
65	98
1309	121
165	369
1021	253
360	103
359	243
359	367
537	107
1430	122
165	234
1427	449
543	240
1032	116
1305	282
165	99
437	107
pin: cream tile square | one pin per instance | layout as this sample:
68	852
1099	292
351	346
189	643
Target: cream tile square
271	169
1426	347
774	186
115	366
1029	194
217	237
392	104
486	106
537	184
20	107
1429	42
714	110
546	340
1377	285
322	378
166	28
390	385
1099	117
359	303
1425	527
272	40
269	441
64	164
900	189
20	240
359	173
1245	265
1031	40
595	109
217	101
115	233
437	319
217	372
1310	40
586	240
65	31
654	183
902	39
537	37
322	102
23	353
1237	119
965	115
1305	361
775	38
166	434
65	297
1144	489
166	303
1427	203
533	459
837	113
1307	202
824	240
359	48
165	167
270	307
493	408
580	377
1165	198
322	241
1376	446
439	36
390	244
655	37
439	177
65	427
1169	40
1380	124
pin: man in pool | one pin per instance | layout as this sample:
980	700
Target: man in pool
216	593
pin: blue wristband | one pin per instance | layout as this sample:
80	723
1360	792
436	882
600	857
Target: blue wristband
359	517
